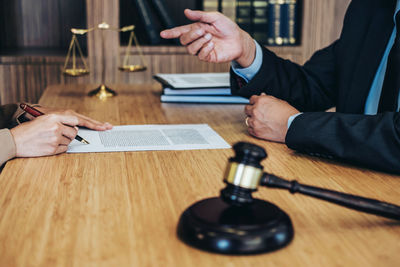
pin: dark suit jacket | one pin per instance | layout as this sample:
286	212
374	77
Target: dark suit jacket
339	75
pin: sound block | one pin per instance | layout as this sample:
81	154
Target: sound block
213	225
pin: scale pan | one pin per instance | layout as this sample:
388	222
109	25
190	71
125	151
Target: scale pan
75	72
132	68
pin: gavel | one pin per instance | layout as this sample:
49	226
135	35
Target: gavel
237	223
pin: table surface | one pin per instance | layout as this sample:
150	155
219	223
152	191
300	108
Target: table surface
122	208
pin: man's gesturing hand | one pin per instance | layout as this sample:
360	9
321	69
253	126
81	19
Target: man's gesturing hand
214	38
268	117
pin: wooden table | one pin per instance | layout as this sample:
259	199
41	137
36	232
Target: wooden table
122	209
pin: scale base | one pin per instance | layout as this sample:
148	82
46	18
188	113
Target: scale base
215	226
102	92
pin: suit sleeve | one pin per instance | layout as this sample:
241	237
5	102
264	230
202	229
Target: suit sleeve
308	88
368	140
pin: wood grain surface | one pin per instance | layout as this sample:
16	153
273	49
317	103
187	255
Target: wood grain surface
122	209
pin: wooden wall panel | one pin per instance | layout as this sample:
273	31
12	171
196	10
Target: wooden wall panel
99	11
322	23
25	78
47	26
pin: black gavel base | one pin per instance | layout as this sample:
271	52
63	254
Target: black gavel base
213	225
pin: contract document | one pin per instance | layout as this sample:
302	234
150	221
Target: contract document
149	137
194	80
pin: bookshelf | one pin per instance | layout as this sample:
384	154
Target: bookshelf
29	64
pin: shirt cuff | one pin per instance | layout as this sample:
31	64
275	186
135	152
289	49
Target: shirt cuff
291	118
8	149
248	73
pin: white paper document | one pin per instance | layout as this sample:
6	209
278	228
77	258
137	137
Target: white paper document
194	80
149	137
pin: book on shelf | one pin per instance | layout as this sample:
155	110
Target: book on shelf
162	11
294	17
197	88
244	15
167	22
272	22
260	21
147	19
211	5
229	8
284	22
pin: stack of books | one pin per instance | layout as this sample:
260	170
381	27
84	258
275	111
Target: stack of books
197	88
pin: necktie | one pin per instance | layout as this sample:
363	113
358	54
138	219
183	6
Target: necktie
391	83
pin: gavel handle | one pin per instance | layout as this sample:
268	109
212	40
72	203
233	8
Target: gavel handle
350	201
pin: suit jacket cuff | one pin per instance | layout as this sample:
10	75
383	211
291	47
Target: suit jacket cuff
308	134
248	73
8	149
260	80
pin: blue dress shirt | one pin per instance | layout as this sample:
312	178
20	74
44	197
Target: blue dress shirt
372	102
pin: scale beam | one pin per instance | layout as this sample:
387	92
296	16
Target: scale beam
102	92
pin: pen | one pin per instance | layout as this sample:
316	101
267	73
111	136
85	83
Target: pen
36	113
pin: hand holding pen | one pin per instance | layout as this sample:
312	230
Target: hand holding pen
36	113
51	133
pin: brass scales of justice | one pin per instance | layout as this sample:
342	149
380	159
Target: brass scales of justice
102	92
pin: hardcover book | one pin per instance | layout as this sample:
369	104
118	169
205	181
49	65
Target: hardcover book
244	15
229	9
204	99
260	21
193	80
198	88
147	19
210	5
162	11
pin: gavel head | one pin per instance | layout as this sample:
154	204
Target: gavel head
243	174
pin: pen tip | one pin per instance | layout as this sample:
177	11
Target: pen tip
85	142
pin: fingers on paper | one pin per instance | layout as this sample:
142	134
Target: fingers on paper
71	118
93	124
